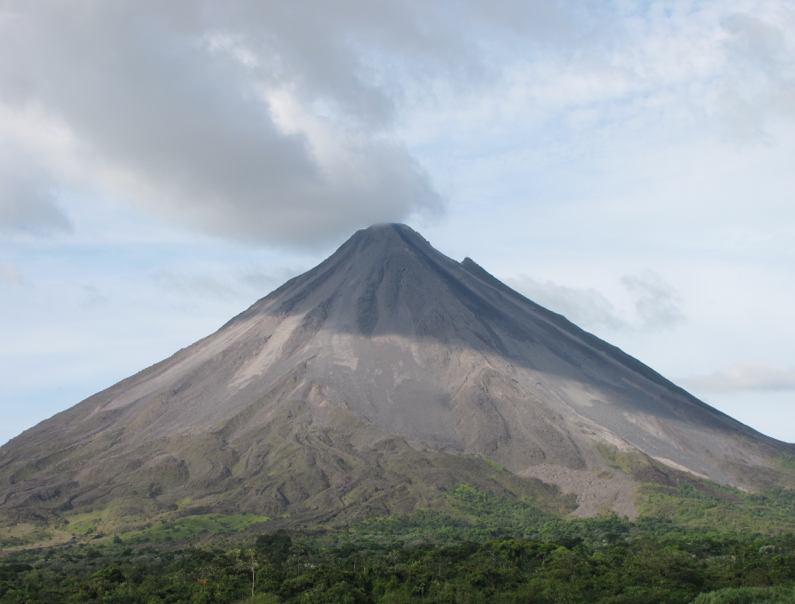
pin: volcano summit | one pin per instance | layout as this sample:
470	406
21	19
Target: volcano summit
369	385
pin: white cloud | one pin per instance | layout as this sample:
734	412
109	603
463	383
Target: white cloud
585	307
760	77
744	376
655	303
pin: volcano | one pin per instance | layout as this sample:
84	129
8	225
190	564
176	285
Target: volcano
370	385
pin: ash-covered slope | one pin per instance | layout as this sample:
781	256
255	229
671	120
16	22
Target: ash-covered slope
376	378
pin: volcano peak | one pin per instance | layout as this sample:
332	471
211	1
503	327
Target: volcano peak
387	367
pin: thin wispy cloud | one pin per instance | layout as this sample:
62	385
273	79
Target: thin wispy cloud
92	296
744	376
10	275
586	307
760	80
655	303
196	286
244	286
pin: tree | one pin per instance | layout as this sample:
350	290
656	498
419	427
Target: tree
246	559
275	546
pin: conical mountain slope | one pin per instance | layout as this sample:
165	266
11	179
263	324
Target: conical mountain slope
371	382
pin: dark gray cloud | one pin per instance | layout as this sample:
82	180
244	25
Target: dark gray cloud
262	121
744	376
187	127
27	203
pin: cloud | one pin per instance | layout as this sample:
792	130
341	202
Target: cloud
655	303
285	122
249	120
10	275
584	307
235	285
262	282
36	152
92	297
28	205
744	376
760	78
201	286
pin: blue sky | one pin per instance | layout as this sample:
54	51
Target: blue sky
628	164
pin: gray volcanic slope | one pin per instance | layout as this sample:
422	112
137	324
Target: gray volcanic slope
342	385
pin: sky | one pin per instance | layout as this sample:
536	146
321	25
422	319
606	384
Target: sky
628	164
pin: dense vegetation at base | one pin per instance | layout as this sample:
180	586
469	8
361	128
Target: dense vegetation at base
598	567
484	548
672	512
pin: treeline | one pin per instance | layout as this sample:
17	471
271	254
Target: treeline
614	569
482	516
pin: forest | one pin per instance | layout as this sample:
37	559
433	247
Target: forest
486	548
278	567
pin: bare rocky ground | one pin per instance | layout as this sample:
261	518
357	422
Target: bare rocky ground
369	385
